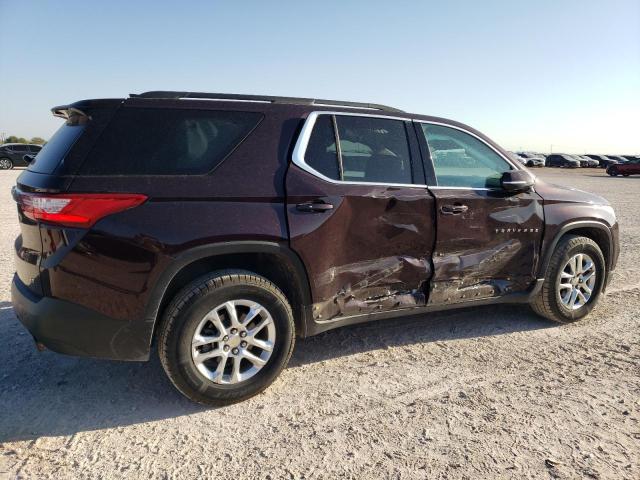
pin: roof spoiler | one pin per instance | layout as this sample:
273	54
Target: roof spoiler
67	111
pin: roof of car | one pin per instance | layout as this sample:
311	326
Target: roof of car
175	99
172	95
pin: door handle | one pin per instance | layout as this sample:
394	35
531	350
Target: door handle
455	209
314	207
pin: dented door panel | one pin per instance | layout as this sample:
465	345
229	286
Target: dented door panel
490	249
371	252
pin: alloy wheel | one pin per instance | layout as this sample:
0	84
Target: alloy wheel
5	164
577	281
233	342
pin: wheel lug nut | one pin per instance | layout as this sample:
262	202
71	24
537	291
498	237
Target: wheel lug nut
234	331
235	351
243	344
226	348
225	338
243	334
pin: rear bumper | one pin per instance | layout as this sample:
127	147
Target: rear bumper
72	329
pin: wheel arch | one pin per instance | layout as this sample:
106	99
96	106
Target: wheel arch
275	261
597	231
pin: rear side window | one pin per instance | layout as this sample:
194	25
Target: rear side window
151	141
374	150
53	153
370	149
321	154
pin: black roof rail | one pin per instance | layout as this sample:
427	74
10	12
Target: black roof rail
261	98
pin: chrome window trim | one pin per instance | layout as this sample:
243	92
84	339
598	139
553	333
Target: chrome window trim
464	130
483	189
303	141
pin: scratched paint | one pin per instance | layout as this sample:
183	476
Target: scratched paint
374	285
474	275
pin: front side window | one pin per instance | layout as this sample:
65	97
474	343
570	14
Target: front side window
370	149
462	160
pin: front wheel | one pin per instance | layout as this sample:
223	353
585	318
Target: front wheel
6	164
573	280
613	172
226	337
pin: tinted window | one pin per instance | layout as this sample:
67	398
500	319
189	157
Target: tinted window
53	153
167	142
461	160
374	150
35	148
321	150
20	148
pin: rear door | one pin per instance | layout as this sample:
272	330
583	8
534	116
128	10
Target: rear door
488	239
360	215
19	152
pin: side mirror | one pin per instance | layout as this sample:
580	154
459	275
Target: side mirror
28	158
517	180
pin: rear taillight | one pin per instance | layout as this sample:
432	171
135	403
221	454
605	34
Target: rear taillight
75	209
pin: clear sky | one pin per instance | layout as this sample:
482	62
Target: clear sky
528	74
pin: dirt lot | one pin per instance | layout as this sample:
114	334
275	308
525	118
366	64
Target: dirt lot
480	393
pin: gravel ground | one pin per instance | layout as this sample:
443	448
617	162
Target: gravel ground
480	393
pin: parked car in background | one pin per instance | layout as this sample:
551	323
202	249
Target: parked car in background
562	160
632	167
583	163
531	159
631	157
586	161
220	227
619	158
517	158
12	154
603	161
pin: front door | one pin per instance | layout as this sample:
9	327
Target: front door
488	239
359	214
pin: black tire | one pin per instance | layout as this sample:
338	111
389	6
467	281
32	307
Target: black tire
625	174
613	172
547	303
6	163
189	307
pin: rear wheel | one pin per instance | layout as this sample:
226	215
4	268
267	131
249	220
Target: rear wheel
6	164
613	172
573	280
226	337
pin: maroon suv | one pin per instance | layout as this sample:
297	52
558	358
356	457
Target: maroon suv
632	167
220	227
